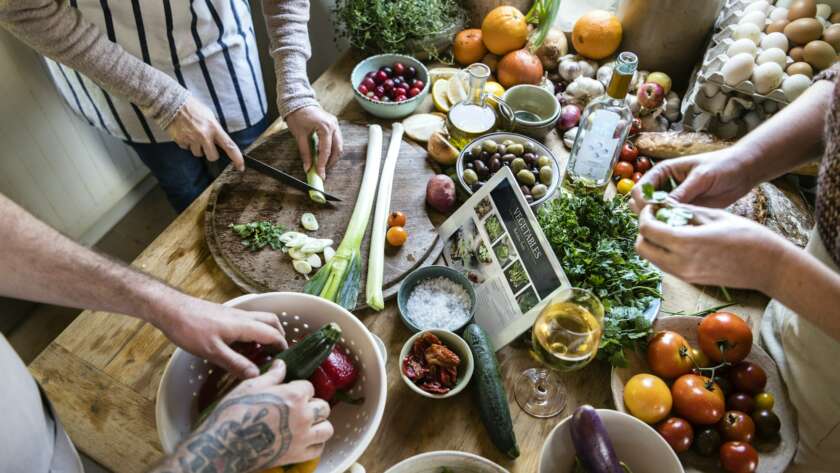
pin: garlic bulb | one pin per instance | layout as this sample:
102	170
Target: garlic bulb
569	137
672	106
585	89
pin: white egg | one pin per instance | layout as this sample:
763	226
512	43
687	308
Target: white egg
823	10
772	55
784	3
794	85
760	5
737	68
743	45
758	18
767	77
777	14
747	30
775	40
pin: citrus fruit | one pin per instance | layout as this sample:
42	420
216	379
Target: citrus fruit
494	88
597	34
456	89
439	89
504	29
468	46
442	73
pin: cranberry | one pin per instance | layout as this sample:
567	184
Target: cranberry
410	72
380	77
363	89
379	91
400	98
387	70
398	80
418	83
402	89
370	74
413	91
388	84
369	83
399	68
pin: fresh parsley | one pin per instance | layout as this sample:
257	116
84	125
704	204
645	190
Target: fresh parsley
258	235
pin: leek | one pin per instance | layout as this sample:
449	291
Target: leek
312	176
339	280
376	260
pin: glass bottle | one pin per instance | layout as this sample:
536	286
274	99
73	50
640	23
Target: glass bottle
473	116
603	128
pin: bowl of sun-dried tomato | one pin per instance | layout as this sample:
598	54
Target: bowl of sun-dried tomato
436	363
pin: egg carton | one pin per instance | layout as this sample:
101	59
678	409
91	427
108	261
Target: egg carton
730	13
711	72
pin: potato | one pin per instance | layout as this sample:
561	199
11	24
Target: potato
440	193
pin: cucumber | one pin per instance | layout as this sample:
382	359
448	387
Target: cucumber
304	357
490	393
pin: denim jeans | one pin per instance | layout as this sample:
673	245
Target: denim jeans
182	176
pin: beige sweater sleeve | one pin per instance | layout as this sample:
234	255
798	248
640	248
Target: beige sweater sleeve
58	31
286	21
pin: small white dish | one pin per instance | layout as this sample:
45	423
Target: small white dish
433	462
454	343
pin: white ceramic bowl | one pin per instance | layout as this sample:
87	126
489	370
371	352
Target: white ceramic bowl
456	344
355	425
388	110
432	462
635	443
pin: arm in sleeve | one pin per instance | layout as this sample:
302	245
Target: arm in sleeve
286	22
60	32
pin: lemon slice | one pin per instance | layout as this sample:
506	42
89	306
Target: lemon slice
456	90
439	95
442	73
494	88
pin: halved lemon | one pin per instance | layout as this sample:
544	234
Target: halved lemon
442	73
439	95
456	90
494	88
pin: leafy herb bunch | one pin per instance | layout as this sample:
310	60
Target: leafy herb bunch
594	241
390	26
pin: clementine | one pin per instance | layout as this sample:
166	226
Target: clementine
597	34
504	29
468	46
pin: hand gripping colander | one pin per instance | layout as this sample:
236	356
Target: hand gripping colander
300	314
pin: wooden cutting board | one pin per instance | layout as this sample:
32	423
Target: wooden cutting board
245	197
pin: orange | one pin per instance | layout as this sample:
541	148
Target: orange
596	34
468	46
504	29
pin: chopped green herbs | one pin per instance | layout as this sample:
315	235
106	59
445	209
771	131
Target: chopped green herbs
258	235
674	216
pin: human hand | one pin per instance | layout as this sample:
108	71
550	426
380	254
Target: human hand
712	179
207	329
302	122
195	128
259	425
719	249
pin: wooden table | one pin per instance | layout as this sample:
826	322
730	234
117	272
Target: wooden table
103	371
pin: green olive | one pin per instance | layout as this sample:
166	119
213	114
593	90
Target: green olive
475	151
516	149
526	177
546	174
539	191
517	165
489	146
529	147
543	161
502	149
507	142
470	177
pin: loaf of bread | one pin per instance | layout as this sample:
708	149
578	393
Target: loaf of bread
671	144
784	212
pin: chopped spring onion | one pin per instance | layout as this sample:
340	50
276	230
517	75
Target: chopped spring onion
329	252
312	177
309	222
340	279
314	260
376	257
302	267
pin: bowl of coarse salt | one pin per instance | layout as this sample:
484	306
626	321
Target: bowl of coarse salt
436	297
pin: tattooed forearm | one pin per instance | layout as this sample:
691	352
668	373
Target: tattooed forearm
246	433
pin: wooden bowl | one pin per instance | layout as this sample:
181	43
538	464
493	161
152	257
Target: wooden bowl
773	456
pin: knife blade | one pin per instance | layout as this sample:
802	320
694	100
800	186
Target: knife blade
283	177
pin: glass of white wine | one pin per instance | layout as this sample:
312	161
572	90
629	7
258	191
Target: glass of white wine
565	337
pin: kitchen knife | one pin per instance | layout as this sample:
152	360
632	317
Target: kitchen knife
283	177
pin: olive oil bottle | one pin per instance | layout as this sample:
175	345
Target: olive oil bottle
473	116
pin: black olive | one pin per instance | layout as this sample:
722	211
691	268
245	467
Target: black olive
481	170
484	155
529	156
536	174
525	190
529	198
508	157
495	164
476	186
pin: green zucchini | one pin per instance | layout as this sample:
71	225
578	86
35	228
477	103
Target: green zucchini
490	393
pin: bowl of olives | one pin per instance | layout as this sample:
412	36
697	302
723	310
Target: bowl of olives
533	165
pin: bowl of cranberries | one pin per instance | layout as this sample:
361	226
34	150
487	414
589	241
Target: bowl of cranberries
390	85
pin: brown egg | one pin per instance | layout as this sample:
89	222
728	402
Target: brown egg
803	30
831	35
802	9
777	26
800	68
797	54
835	17
819	54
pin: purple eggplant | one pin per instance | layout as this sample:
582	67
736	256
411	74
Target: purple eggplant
592	444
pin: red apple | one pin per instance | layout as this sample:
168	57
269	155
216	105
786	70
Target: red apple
651	95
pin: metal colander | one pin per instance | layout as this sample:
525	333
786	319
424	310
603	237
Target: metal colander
300	314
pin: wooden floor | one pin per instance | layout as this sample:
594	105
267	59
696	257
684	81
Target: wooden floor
124	242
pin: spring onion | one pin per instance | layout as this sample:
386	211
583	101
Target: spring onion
340	279
376	261
312	176
309	222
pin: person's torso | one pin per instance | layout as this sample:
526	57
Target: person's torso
208	46
828	193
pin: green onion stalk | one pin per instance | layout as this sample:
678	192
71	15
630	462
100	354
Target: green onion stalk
340	279
312	176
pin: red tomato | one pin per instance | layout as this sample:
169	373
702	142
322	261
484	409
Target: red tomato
738	457
740	402
677	432
748	377
737	426
623	169
698	399
727	331
669	354
629	152
637	176
643	164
